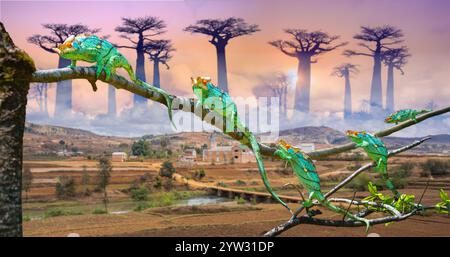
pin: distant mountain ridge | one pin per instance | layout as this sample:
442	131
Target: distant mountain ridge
46	139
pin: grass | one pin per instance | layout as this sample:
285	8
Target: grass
162	199
60	212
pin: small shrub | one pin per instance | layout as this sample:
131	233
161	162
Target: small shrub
167	169
99	211
157	183
65	187
54	213
139	194
240	182
437	167
222	184
359	183
240	200
199	174
142	206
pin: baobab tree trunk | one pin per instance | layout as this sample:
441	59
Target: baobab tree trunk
347	98
63	105
222	68
390	89
156	78
46	100
376	101
302	92
140	69
112	109
16	69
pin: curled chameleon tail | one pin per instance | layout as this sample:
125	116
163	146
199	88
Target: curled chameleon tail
255	148
160	91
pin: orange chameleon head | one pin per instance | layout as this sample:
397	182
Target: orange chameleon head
201	82
287	146
65	47
388	119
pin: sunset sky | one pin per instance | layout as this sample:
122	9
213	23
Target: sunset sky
425	23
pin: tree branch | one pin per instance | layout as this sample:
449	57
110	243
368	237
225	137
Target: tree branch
295	220
119	82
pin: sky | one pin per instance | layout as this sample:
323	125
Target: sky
425	23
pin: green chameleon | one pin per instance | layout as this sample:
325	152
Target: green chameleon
306	172
214	99
91	49
377	151
404	115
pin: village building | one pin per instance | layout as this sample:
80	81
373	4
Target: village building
118	157
227	153
189	156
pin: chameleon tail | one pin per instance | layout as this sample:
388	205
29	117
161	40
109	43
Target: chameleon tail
126	65
166	96
255	148
425	111
382	169
341	211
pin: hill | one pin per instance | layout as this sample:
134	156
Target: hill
48	140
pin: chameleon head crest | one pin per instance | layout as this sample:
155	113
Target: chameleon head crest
201	82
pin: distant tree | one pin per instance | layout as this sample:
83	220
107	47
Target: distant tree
65	187
393	58
141	148
58	33
199	174
167	169
103	178
159	51
39	93
220	32
164	142
382	37
304	46
27	180
279	85
85	179
431	105
144	28
140	194
344	71
62	144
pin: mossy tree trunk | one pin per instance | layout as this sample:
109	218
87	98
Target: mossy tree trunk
16	69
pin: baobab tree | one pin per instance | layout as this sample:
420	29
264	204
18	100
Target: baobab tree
57	34
39	92
382	37
393	58
159	51
221	31
344	71
274	85
144	28
304	46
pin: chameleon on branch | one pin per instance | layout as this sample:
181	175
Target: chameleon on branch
91	49
306	172
377	151
404	115
214	99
